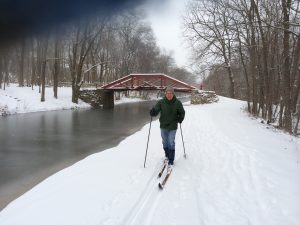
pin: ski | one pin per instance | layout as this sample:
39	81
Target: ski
162	170
161	185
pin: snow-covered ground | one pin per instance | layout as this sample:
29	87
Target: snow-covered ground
23	100
237	172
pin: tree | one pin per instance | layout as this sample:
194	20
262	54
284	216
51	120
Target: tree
80	46
286	5
56	62
208	29
21	61
256	39
44	48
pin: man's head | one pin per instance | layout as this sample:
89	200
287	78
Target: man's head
169	93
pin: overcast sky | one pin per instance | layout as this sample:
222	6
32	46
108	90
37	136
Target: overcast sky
164	16
165	19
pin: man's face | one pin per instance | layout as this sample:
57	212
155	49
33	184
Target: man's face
169	95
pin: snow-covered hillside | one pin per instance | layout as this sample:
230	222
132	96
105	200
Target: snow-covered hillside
237	172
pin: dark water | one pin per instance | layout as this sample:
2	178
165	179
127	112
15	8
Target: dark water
36	145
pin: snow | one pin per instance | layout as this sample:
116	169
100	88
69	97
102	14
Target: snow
128	100
16	99
237	172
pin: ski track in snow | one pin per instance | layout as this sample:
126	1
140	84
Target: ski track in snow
145	203
151	202
233	195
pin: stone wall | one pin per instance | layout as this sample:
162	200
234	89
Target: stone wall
93	97
203	97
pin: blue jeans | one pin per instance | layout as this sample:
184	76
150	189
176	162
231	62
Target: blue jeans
168	141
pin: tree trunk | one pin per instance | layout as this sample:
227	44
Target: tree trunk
76	93
33	65
21	65
247	80
297	123
43	80
252	49
280	121
39	61
231	82
6	76
43	74
94	70
286	66
265	84
296	74
273	63
56	65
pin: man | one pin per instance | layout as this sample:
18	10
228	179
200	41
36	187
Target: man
171	112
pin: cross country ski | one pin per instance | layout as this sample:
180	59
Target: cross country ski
162	184
162	170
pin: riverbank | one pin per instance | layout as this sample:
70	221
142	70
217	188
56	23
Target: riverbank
15	100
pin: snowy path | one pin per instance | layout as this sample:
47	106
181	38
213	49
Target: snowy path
237	173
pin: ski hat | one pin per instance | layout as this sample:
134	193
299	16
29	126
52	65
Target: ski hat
171	89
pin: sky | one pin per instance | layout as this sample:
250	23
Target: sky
165	19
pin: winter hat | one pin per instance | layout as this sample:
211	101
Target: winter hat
171	89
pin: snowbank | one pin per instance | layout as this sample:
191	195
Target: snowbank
23	100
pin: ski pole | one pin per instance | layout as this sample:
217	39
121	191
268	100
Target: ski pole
147	143
182	141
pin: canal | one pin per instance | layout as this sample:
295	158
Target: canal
34	146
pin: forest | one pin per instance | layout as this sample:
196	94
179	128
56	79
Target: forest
89	51
250	50
243	49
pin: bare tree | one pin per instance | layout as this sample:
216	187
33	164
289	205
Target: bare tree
21	60
43	67
258	37
91	50
56	62
79	49
296	74
208	30
286	5
33	62
6	71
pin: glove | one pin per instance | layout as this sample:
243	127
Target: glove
152	112
179	119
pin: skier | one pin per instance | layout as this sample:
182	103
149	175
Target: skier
171	112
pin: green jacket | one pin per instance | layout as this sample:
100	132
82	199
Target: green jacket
170	112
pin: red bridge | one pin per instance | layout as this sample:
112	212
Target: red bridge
147	81
139	82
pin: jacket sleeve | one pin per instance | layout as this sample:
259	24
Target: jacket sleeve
180	112
157	108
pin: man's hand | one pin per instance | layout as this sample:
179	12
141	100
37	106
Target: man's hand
179	118
152	112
